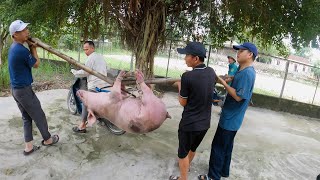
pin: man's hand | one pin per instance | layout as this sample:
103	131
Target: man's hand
32	44
177	84
229	89
229	79
73	71
220	80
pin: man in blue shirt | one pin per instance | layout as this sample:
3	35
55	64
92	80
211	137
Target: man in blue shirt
235	106
20	62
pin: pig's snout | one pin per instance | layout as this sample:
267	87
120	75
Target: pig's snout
80	94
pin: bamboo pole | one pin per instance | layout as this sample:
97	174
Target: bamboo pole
95	73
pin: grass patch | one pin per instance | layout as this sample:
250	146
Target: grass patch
116	64
112	51
4	76
47	70
159	71
265	92
83	57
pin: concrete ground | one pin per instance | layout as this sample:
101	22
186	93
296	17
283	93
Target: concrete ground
270	145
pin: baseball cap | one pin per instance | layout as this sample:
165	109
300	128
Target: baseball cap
16	26
193	48
231	58
249	46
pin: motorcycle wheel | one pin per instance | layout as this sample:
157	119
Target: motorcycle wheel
71	103
112	128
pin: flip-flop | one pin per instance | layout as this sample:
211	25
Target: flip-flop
77	130
55	139
34	148
204	177
172	177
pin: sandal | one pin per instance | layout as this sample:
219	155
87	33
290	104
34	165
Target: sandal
77	130
34	148
55	139
172	177
204	177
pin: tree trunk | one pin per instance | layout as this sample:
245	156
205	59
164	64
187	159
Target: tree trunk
148	41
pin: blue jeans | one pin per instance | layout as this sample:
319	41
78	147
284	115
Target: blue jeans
221	151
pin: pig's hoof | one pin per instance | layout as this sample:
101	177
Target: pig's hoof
121	75
139	76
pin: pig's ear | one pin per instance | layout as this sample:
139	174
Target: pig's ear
91	118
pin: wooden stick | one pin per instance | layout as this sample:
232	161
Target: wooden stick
152	81
95	73
70	60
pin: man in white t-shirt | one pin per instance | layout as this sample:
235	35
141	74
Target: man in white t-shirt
96	62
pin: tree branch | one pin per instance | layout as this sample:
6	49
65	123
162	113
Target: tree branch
124	21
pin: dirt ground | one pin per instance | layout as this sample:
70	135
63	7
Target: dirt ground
270	145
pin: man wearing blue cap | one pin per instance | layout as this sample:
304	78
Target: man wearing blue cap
195	91
235	106
21	61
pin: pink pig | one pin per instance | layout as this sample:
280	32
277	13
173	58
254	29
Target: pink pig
135	115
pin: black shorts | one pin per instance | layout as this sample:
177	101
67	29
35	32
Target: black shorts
189	141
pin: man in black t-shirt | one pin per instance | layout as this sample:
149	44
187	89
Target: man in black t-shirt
195	95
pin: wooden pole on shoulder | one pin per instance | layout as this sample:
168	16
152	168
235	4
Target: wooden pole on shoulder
93	72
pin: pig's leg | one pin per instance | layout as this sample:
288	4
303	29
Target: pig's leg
140	80
84	95
115	93
147	92
91	117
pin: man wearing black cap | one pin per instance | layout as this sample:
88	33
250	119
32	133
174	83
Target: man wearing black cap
235	106
195	91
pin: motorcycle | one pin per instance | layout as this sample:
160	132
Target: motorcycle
218	97
75	105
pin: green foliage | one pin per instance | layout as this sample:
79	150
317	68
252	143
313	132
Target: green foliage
303	52
265	92
69	41
4	71
4	76
283	50
212	21
144	25
264	59
316	69
48	69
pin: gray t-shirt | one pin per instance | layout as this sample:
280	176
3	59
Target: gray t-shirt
96	62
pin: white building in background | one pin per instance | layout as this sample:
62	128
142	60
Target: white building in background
294	67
